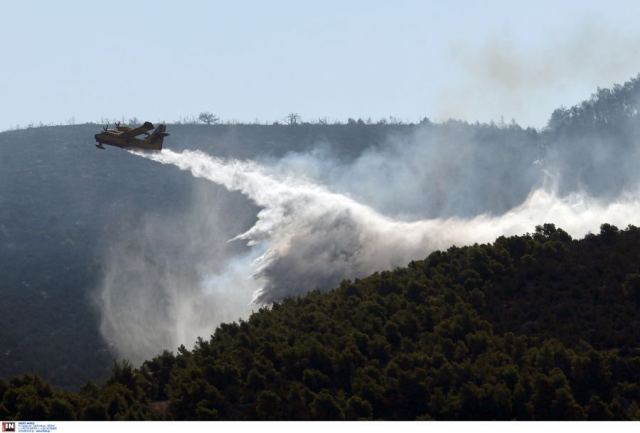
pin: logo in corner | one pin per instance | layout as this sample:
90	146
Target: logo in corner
8	426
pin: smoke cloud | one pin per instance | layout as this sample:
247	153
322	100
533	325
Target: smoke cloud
527	80
167	277
316	222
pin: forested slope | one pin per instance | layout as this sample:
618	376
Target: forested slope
63	205
531	327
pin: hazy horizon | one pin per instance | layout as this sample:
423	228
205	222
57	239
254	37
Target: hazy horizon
74	62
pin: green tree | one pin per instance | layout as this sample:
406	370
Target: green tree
359	409
208	118
631	287
325	407
269	406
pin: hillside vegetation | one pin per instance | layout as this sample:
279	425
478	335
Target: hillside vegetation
63	203
531	327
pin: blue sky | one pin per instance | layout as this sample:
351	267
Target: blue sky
246	60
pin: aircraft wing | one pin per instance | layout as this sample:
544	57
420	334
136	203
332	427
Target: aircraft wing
147	126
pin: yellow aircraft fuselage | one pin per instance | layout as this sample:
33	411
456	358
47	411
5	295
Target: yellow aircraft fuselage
126	138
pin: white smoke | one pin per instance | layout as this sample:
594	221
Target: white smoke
305	237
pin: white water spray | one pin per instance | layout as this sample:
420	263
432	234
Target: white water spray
308	237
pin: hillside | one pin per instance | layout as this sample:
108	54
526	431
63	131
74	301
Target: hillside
531	327
64	204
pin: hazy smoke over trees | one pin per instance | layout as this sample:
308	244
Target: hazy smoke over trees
320	219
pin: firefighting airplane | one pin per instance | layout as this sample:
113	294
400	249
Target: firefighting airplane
127	138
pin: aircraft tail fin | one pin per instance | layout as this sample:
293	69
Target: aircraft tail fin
154	140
